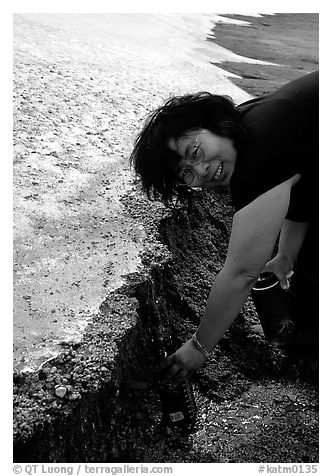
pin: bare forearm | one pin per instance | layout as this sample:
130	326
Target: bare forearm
291	238
254	232
227	296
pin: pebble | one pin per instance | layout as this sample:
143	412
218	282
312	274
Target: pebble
278	399
226	373
60	391
292	398
75	396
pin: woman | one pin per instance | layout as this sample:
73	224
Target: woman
265	152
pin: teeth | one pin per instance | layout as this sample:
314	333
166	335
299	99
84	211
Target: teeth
219	171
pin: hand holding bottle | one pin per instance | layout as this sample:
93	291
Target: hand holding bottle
186	360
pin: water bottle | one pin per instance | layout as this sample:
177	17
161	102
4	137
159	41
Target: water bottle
177	401
273	308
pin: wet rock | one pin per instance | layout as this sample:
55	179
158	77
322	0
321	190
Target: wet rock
60	391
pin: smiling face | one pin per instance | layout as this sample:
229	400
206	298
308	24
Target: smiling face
217	157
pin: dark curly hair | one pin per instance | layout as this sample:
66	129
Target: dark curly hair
155	163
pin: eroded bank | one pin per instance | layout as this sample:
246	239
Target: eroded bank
92	402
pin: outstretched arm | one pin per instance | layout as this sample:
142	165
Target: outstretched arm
254	233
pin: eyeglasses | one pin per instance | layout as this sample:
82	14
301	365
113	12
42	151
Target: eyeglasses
195	155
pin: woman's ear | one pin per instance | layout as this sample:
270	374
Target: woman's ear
172	144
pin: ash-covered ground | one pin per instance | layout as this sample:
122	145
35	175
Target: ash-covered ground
101	272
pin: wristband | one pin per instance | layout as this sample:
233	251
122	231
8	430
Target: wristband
199	346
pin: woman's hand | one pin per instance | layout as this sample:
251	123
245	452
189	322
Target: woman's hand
186	360
282	267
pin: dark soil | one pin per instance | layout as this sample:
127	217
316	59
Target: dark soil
255	402
290	41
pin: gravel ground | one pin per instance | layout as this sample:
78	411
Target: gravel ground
81	89
244	416
254	404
